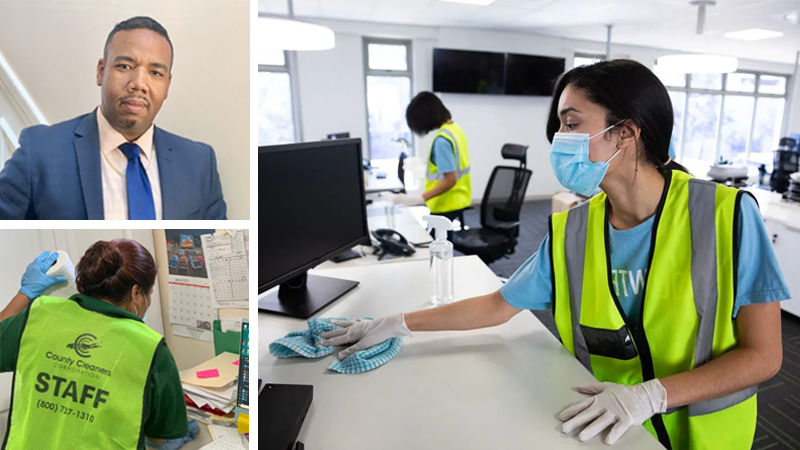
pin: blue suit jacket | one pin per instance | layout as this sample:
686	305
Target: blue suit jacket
55	174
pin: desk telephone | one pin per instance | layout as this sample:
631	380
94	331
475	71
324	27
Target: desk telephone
391	243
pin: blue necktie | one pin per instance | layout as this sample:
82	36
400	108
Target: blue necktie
140	196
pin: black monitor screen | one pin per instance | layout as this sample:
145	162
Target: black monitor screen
310	206
468	72
532	75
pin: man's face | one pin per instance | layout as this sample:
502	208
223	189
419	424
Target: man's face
134	78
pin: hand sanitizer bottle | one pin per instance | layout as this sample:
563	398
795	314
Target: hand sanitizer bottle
441	260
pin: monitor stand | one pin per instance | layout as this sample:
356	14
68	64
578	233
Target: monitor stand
304	295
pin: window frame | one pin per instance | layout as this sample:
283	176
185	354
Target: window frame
588	56
408	73
724	92
289	65
8	142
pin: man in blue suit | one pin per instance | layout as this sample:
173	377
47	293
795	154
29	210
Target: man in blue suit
114	163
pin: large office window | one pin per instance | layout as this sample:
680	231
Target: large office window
586	59
732	117
387	67
276	115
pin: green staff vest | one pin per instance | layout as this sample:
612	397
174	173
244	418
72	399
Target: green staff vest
80	379
460	195
685	320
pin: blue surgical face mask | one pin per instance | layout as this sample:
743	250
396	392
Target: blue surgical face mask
570	159
144	316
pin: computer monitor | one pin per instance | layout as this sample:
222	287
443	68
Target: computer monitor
243	389
311	207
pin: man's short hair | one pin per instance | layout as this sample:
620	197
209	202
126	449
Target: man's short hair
140	23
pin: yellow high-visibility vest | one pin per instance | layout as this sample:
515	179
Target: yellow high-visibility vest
686	315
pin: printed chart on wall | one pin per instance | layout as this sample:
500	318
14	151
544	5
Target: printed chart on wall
207	271
227	258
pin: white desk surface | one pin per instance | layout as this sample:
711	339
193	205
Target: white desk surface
375	184
497	388
407	221
773	207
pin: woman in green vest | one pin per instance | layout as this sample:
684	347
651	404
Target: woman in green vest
663	286
448	190
88	367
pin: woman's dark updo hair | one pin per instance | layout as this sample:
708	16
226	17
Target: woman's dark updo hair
426	113
110	269
627	90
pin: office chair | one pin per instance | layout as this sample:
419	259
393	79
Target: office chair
401	172
517	152
500	209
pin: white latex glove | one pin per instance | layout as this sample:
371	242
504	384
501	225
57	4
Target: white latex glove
386	197
364	333
408	200
613	404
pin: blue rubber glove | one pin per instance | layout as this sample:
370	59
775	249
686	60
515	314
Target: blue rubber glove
35	279
175	444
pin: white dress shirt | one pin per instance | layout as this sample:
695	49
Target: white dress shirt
114	164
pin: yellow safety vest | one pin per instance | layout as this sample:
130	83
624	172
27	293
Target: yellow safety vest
460	195
686	316
80	379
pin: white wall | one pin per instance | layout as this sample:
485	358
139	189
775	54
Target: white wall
489	121
332	91
53	47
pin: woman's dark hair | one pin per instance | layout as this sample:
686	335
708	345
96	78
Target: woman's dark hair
109	269
426	113
627	90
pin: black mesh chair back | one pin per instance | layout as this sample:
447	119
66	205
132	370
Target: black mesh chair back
516	152
502	201
401	172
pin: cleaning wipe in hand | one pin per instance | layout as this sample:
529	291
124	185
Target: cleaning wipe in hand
307	344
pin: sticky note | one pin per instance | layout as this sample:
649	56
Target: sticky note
210	373
236	363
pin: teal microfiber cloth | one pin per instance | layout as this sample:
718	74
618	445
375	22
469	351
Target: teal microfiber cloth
306	344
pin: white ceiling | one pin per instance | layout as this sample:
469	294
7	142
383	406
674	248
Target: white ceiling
666	24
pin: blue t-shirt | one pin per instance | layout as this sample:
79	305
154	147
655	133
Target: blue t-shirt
530	287
443	155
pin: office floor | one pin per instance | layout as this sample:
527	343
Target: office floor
778	399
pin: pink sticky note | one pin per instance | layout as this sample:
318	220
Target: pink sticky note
210	373
235	363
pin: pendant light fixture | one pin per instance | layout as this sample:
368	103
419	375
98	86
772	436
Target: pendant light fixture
287	33
698	63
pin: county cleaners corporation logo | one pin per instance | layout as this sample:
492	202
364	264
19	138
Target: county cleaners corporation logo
83	344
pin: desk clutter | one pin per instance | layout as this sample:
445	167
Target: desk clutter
210	390
227	443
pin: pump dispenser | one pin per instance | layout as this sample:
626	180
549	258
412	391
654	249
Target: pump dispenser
441	260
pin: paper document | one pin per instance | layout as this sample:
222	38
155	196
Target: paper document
200	334
223	363
228	273
219	432
230	325
225	443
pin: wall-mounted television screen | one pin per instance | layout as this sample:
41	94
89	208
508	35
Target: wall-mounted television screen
468	72
532	75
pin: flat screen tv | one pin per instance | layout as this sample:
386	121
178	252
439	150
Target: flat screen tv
468	72
532	75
